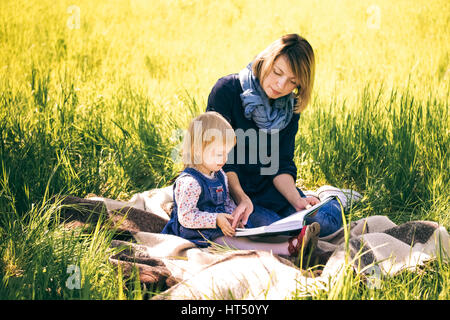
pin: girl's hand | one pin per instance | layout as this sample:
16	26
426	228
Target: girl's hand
223	222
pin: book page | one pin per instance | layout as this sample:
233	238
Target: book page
292	222
300	215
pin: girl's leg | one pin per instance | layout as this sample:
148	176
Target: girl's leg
259	217
243	243
305	242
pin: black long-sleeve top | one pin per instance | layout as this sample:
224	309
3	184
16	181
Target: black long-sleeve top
225	99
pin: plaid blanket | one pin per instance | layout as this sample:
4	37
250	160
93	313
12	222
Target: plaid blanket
373	246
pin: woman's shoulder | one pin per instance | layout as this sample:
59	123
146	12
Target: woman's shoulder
228	83
225	97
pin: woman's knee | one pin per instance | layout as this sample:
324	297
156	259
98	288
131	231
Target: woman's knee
329	217
261	217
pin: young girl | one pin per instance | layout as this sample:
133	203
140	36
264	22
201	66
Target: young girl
203	209
202	206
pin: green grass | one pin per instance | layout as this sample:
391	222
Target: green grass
96	110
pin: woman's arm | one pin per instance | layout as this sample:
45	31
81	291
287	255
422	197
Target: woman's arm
285	184
244	203
222	99
236	190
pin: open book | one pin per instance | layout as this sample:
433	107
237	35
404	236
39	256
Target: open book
291	223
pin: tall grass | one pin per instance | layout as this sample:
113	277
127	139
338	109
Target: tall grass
95	107
392	146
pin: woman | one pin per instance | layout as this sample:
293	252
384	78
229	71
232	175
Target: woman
267	97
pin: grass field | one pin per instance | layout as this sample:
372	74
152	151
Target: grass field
92	94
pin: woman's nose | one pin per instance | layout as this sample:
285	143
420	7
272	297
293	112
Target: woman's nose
281	82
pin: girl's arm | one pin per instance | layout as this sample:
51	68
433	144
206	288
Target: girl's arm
187	192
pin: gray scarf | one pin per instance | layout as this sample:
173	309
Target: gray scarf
257	107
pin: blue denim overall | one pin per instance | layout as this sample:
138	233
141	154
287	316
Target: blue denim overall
212	199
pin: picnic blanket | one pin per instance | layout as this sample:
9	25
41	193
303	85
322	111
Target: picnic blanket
374	246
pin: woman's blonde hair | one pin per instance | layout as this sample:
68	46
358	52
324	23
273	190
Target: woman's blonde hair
204	130
300	56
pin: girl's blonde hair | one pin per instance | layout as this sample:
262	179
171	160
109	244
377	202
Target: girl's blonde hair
301	59
206	129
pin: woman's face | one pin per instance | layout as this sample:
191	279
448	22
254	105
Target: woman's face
280	81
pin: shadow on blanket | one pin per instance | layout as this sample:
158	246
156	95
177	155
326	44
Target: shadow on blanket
187	272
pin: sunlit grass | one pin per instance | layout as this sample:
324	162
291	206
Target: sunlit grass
92	104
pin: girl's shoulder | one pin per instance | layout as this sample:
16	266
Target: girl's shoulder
188	174
223	174
186	181
191	174
225	178
190	180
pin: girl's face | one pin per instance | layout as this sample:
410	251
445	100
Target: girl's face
214	158
280	81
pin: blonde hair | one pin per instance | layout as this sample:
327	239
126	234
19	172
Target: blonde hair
204	130
300	56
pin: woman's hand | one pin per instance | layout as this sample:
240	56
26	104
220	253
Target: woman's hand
312	200
305	203
301	204
223	222
285	184
242	212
